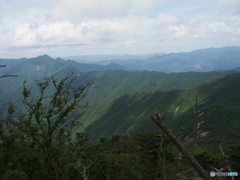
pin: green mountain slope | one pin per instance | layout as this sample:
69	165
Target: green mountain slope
113	83
40	67
15	96
130	113
109	84
104	101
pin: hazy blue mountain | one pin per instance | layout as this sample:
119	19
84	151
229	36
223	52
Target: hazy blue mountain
90	67
236	69
30	69
133	64
10	63
42	66
14	63
201	60
103	57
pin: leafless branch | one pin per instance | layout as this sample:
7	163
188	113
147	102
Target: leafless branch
159	121
8	76
229	168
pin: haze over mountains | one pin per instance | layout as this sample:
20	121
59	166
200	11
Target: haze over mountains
199	60
127	92
210	59
97	58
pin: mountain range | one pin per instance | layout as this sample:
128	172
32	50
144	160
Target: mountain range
121	100
104	57
13	63
202	60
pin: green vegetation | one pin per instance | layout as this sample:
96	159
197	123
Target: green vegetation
37	144
42	135
110	84
130	113
113	83
112	110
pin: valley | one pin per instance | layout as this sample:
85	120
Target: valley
125	93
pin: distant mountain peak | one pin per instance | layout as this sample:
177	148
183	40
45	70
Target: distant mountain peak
44	56
39	60
196	66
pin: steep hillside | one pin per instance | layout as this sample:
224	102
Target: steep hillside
111	83
105	103
130	112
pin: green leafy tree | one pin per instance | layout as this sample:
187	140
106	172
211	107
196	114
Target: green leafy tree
38	143
157	151
234	153
210	161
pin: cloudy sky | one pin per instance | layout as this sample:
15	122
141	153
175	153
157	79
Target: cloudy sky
30	28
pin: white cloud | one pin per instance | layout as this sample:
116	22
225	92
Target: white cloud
166	19
222	27
179	31
75	25
229	1
102	30
78	10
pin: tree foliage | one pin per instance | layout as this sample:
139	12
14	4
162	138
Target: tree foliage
40	144
234	154
37	143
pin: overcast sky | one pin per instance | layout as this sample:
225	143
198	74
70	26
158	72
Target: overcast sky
29	28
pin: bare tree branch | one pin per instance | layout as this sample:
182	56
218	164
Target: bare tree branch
159	121
8	76
229	168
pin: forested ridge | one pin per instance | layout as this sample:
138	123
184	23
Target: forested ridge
42	124
129	113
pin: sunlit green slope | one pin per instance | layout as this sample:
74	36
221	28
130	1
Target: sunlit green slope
130	112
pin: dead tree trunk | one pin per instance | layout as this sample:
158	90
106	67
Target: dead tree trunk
158	120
